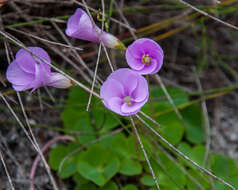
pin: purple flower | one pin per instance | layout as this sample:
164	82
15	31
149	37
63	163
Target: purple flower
80	26
145	56
124	92
28	72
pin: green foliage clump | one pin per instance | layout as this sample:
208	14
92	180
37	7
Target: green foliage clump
105	157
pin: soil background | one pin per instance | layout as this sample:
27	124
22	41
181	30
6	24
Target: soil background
204	44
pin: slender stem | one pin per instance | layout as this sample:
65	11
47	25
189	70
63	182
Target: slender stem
86	145
46	62
43	150
184	156
44	40
6	170
208	15
94	77
145	154
157	77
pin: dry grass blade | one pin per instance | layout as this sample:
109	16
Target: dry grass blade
88	144
206	123
44	61
75	54
33	141
144	152
95	76
184	156
208	15
44	40
158	79
180	167
6	171
37	145
45	147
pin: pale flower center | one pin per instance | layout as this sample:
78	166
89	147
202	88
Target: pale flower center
127	100
146	59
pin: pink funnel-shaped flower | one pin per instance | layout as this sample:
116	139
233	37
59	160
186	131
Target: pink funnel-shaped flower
80	26
145	56
29	72
124	92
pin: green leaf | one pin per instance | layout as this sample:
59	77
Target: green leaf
98	164
126	147
225	168
172	128
192	116
165	183
130	187
110	186
172	171
130	167
185	149
147	180
57	155
88	186
178	95
155	165
121	146
75	117
201	179
198	154
79	179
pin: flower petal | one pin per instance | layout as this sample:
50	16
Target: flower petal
58	80
17	76
133	60
138	49
26	61
111	88
115	104
112	41
127	78
150	45
128	81
21	87
148	69
135	108
159	57
141	91
41	77
80	26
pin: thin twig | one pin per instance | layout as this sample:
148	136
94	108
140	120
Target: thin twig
126	21
206	122
33	139
184	156
158	79
179	166
152	120
208	15
88	144
95	75
46	62
43	150
43	39
144	152
36	144
6	171
76	55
